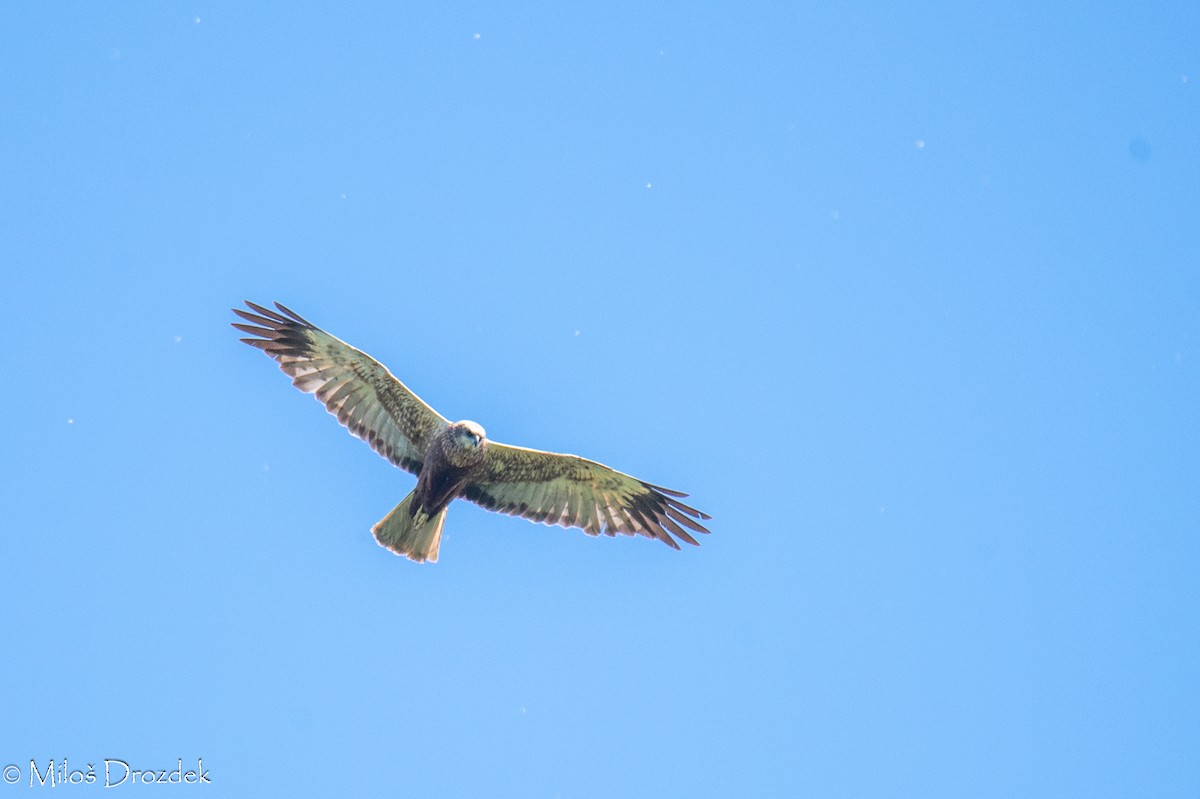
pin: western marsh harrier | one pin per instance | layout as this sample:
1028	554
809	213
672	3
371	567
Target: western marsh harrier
455	459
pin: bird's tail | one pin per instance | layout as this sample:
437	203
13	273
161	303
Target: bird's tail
416	535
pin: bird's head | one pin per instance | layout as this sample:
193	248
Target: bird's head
468	435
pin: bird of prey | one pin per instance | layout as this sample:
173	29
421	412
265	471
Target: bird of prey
455	459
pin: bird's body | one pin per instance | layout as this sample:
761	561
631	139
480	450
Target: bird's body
450	462
455	459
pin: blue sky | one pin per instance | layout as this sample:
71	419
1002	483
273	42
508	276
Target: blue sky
906	297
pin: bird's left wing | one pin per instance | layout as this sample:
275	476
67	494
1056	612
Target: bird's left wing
571	491
353	386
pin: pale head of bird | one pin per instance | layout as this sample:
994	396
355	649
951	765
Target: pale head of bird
467	436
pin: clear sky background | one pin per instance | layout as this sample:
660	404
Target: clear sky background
907	296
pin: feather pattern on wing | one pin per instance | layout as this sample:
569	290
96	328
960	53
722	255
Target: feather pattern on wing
353	386
574	492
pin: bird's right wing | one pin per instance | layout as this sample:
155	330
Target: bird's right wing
571	491
356	388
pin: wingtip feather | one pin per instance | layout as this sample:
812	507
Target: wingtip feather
297	317
268	313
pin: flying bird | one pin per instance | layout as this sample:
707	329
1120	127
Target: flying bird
456	459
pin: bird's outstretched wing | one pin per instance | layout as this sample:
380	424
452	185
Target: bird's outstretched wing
574	492
356	388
